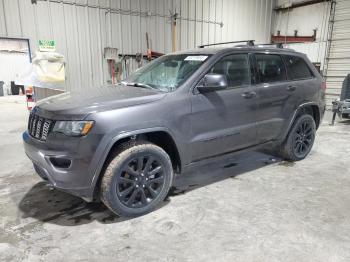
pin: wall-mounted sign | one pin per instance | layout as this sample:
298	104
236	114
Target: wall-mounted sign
47	46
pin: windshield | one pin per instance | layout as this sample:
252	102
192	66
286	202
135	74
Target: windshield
167	72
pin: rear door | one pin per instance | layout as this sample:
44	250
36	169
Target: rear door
224	121
301	80
276	101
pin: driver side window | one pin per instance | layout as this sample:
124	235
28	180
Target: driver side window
236	68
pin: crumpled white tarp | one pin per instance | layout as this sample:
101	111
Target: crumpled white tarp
47	70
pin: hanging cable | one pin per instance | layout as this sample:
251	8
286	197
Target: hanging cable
133	12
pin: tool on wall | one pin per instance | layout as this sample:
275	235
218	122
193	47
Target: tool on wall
119	70
173	17
294	38
138	59
149	52
124	66
111	55
111	64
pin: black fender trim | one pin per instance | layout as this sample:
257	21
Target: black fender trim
295	114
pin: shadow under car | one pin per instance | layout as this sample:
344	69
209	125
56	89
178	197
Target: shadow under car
49	205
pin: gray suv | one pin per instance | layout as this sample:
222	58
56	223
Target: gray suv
122	144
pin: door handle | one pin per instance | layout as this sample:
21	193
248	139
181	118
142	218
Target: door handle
291	88
249	94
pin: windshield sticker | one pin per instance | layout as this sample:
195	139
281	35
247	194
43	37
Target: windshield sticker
196	58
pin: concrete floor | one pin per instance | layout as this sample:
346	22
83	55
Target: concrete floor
251	208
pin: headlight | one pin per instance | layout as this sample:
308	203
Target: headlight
73	128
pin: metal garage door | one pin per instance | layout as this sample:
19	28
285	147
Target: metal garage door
339	53
12	64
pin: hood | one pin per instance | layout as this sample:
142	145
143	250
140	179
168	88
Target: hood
92	100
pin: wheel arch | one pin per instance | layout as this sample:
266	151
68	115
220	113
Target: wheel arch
310	108
161	137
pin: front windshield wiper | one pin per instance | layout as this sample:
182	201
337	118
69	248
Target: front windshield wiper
140	85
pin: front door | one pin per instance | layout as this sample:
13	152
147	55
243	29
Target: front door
224	121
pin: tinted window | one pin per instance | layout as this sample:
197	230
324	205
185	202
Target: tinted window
236	69
270	68
297	68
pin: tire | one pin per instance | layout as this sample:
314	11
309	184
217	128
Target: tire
137	179
300	139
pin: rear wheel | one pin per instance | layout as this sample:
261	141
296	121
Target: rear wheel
300	139
137	179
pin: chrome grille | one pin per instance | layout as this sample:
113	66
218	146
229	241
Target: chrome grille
39	127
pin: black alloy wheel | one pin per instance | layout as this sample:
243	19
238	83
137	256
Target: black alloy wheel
300	139
140	181
303	139
137	179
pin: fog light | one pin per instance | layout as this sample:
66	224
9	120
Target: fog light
60	162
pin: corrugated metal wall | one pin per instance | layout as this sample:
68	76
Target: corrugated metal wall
82	28
305	19
338	58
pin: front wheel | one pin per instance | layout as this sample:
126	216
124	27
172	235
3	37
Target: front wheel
300	139
137	179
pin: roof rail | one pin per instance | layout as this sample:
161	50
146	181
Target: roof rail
249	43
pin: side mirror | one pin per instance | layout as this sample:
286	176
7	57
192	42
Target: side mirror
212	82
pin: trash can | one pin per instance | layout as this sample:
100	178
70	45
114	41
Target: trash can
14	89
2	88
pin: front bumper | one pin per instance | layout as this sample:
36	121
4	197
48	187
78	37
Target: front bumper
75	178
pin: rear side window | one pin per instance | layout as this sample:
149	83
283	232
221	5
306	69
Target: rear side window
297	68
270	68
236	69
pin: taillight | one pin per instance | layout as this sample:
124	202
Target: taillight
323	86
